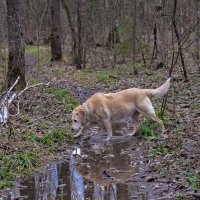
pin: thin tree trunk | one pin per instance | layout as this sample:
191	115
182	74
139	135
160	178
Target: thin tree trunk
134	35
56	51
16	61
155	48
198	29
179	42
79	28
160	34
72	28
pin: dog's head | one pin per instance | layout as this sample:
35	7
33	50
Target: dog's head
78	118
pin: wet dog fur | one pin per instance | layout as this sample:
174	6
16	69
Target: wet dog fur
106	109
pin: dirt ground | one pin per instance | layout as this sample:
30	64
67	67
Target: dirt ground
168	168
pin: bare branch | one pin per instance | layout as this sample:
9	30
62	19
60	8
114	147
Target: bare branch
7	100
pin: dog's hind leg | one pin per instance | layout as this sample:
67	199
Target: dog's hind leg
135	118
108	126
147	110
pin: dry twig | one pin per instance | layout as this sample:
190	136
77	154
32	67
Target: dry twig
8	99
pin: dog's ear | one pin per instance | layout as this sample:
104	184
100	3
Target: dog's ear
81	113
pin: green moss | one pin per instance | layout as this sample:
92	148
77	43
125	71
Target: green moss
27	119
58	73
194	182
14	164
51	138
102	76
148	127
159	150
6	184
180	196
64	96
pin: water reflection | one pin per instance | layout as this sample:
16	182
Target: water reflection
99	172
77	184
46	185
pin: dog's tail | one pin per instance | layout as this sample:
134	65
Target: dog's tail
163	89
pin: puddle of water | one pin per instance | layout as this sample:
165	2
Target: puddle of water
96	171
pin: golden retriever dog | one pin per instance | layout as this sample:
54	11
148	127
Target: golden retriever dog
106	109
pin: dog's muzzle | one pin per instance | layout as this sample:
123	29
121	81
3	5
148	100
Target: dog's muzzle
76	127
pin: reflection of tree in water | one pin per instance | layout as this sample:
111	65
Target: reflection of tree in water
105	192
98	173
105	166
46	185
14	193
77	185
99	192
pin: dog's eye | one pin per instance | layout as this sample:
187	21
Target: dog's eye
75	120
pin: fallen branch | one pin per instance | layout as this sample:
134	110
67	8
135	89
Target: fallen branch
8	99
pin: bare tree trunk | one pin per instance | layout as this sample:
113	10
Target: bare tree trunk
79	29
160	34
16	62
198	28
134	15
72	28
56	51
155	47
179	42
27	38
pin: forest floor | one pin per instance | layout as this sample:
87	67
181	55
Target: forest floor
169	168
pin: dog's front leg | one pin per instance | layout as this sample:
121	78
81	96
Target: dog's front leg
82	130
108	126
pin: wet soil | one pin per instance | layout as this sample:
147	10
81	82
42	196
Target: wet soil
95	169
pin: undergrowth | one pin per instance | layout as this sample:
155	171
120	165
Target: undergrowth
43	57
14	163
63	96
42	126
51	138
148	127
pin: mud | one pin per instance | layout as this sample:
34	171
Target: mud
94	170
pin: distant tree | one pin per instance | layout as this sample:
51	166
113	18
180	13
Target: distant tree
79	33
180	51
56	51
134	15
72	29
16	50
198	28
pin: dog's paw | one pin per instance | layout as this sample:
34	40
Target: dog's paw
132	134
108	139
76	136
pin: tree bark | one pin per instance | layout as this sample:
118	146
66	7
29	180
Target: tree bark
198	29
79	29
134	15
16	61
179	42
56	51
73	32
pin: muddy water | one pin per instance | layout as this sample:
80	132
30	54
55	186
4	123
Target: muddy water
96	170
